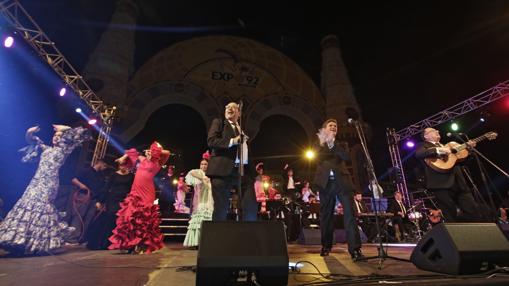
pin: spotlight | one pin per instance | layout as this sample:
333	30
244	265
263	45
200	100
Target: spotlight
62	91
175	182
484	116
455	126
8	42
310	154
92	121
266	185
78	110
410	144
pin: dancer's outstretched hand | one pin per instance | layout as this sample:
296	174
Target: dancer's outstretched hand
33	129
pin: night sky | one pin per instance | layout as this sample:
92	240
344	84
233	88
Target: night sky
407	60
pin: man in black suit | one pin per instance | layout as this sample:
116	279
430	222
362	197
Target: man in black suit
224	140
397	207
290	182
332	180
449	187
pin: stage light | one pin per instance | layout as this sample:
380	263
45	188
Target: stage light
92	121
410	144
455	126
78	110
62	91
266	185
310	154
175	182
8	42
484	116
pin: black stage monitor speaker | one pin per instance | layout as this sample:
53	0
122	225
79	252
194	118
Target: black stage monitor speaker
311	236
461	248
229	250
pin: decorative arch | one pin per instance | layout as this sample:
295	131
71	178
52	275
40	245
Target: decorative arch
157	96
293	107
207	72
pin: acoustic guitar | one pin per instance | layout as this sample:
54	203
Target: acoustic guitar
458	153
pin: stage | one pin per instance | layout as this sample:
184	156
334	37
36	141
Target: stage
173	265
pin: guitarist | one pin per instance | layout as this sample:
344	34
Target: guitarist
449	187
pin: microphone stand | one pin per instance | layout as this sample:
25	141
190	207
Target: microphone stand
241	163
482	172
377	191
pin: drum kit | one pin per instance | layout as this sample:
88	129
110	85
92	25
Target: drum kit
422	218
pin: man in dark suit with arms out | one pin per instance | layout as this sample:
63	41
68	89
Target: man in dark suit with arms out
332	180
224	140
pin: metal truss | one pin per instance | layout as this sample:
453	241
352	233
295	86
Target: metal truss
394	137
473	103
397	165
24	24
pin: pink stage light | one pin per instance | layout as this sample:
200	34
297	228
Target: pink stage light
62	91
8	42
410	144
92	121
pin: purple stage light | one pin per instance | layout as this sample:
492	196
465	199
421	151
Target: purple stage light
410	144
78	110
8	42
62	91
92	121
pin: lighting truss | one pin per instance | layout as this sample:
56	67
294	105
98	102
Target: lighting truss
394	137
25	25
473	103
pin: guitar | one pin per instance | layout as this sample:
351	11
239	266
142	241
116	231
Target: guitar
459	152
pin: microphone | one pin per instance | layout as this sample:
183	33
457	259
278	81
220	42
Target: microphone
450	134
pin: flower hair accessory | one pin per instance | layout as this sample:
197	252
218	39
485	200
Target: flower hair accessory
155	150
206	155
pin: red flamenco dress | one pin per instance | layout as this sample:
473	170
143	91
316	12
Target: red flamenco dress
138	218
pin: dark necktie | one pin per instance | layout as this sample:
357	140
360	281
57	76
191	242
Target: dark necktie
235	130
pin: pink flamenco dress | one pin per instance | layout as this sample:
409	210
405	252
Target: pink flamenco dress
138	218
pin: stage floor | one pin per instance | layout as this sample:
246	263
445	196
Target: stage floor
173	266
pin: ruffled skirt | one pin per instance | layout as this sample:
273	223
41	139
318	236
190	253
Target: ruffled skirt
137	226
33	227
194	228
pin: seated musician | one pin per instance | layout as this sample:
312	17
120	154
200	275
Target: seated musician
360	209
502	216
449	186
306	192
400	218
359	206
258	185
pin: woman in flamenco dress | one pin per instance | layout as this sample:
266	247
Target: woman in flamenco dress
138	219
34	226
203	203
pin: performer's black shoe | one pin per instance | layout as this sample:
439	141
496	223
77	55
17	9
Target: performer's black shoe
357	255
325	251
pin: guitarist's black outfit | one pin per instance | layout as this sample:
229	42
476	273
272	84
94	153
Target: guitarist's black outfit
449	187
